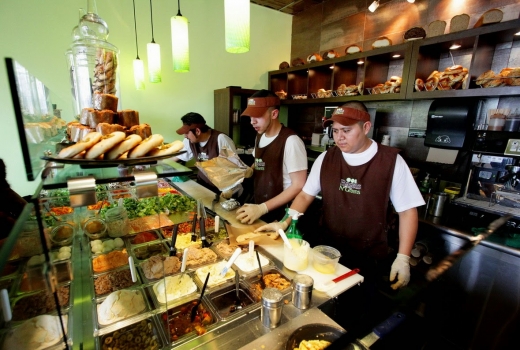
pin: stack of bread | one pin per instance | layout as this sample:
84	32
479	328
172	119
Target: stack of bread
105	119
389	87
507	77
351	90
452	78
322	93
117	145
281	94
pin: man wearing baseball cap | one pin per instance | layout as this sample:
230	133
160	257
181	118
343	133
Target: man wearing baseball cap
202	143
357	178
280	167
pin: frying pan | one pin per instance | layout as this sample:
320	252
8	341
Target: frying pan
313	331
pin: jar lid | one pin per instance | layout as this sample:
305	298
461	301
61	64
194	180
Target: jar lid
302	283
272	297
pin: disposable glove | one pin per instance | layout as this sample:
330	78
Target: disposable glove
248	213
249	172
273	226
401	268
227	194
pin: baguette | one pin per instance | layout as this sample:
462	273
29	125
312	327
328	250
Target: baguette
255	236
146	146
169	148
126	145
105	144
88	141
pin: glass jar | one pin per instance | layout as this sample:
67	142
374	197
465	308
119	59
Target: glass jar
117	222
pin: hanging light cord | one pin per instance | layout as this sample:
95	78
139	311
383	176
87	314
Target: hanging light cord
179	8
135	28
151	20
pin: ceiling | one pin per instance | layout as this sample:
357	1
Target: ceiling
291	7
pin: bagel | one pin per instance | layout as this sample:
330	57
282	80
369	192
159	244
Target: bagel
126	145
88	141
419	85
431	83
434	74
105	144
456	69
169	148
485	77
513	78
146	146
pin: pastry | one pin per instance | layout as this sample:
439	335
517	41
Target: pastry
315	57
419	85
297	62
284	65
128	118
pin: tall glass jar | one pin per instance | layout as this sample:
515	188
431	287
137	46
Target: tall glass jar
117	222
92	60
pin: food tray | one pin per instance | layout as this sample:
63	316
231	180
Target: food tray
146	250
121	323
201	273
255	262
109	269
182	240
147	280
94	255
223	300
130	240
184	309
33	278
252	281
177	301
40	303
124	269
148	328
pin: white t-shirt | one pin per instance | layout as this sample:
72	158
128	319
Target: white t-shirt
404	193
294	156
223	141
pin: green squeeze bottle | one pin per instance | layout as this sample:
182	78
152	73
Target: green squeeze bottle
293	231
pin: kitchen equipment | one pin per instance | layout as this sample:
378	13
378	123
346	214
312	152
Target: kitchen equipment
436	205
272	307
261	281
183	264
195	307
173	250
313	331
238	301
235	255
302	291
194	228
205	242
296	258
325	259
434	272
378	332
329	284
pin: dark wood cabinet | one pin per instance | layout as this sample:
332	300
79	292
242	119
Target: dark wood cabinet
229	103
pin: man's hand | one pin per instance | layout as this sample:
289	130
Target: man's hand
273	226
401	269
249	173
248	213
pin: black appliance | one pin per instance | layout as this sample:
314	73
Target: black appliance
449	121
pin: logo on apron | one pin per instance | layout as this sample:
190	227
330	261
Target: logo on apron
259	164
350	185
202	157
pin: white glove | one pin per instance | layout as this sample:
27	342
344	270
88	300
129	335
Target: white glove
273	226
248	213
249	172
226	194
401	268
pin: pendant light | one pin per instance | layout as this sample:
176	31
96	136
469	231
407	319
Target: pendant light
138	64
180	42
154	56
373	6
237	25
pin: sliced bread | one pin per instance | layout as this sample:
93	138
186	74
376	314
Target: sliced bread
490	16
436	28
459	22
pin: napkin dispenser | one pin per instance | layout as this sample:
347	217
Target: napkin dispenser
449	122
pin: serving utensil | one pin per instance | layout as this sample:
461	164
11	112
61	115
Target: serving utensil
285	239
173	249
262	282
205	242
183	265
235	255
196	306
238	302
194	228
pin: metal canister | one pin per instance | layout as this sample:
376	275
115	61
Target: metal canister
272	306
302	291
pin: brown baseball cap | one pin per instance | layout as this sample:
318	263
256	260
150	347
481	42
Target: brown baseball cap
185	128
256	106
347	116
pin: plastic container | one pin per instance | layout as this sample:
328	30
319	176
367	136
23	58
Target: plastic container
117	222
512	123
297	258
95	228
496	123
325	259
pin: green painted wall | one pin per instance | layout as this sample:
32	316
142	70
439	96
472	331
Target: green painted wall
37	34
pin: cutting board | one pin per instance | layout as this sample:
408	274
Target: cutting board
263	240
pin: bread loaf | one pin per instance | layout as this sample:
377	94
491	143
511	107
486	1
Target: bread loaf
414	33
490	16
143	130
315	57
284	65
92	117
381	42
327	55
436	28
105	101
297	62
459	22
105	128
352	49
128	118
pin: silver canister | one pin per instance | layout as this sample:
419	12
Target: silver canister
302	291
272	305
437	203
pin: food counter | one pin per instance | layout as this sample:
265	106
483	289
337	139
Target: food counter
94	277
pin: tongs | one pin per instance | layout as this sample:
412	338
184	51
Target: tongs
196	306
173	249
262	282
194	225
205	242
